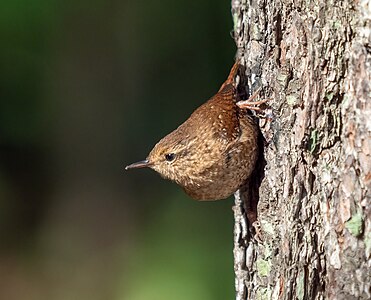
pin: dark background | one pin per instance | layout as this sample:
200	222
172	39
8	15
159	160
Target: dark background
87	87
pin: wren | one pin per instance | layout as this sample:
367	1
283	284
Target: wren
214	151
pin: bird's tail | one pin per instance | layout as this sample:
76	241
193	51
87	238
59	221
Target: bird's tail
232	75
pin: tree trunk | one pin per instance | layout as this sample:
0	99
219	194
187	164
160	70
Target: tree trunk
313	60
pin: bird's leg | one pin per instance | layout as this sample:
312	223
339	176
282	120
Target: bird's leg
253	105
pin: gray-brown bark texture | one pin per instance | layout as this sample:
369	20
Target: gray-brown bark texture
313	59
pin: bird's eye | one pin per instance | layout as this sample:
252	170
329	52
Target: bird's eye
170	156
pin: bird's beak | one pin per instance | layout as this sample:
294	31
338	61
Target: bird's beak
139	164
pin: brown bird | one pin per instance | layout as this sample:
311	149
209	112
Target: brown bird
214	151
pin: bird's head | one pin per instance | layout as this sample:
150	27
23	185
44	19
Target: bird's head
174	157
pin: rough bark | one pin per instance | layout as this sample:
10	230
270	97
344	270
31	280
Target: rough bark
313	59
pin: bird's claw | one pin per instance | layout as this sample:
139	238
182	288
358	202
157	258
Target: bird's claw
252	105
258	232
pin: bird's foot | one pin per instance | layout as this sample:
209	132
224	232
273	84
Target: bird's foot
258	232
252	105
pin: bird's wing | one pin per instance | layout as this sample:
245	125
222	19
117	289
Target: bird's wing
220	115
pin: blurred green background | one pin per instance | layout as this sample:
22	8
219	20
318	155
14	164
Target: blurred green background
87	87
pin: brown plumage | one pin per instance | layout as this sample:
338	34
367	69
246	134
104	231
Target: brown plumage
213	152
